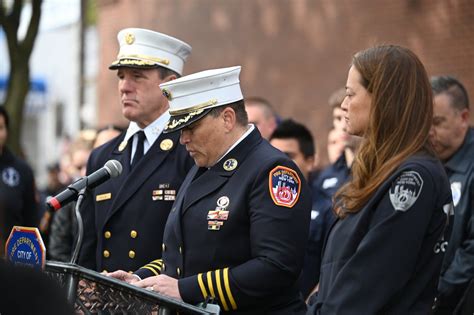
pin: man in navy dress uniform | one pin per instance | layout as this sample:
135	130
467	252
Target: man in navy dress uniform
453	140
124	218
238	229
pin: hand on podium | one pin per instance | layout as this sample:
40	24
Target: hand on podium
162	284
123	276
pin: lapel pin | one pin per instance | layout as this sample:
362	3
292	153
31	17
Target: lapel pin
122	145
166	144
230	164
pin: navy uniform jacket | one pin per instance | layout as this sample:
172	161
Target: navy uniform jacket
458	265
383	259
17	194
227	237
124	218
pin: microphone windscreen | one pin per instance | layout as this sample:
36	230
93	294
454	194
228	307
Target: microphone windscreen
113	167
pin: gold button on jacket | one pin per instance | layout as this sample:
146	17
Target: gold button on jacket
131	254
133	234
106	254
107	234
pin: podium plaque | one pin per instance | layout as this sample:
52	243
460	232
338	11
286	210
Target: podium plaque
25	246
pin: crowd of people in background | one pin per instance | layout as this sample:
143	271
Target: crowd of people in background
400	161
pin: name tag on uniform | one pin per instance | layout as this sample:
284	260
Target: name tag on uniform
103	197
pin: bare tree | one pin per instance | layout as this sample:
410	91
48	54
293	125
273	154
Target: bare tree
19	51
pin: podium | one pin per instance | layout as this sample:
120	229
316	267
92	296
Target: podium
94	293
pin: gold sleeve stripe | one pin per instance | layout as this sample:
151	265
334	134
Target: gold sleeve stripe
219	289
210	285
201	285
152	270
227	289
158	261
155	265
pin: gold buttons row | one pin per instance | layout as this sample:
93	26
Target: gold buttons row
106	254
133	234
163	248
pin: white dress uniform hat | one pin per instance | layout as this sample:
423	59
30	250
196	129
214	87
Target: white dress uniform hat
141	48
193	96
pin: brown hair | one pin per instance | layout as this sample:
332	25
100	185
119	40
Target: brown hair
401	114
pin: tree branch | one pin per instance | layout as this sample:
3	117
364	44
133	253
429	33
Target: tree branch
32	31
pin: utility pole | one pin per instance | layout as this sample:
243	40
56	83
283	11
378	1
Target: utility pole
82	50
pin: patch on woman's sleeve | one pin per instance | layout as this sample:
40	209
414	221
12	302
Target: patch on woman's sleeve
405	190
285	186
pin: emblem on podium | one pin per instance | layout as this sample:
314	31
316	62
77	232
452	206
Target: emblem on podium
25	246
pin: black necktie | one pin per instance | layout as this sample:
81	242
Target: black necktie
200	171
139	151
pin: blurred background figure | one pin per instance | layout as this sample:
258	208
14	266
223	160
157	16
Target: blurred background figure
296	141
337	141
262	115
63	224
106	134
453	140
18	204
54	186
340	152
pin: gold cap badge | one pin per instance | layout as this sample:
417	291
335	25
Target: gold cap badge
167	94
122	145
230	164
166	144
129	38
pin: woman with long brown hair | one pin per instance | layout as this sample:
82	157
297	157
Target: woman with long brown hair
381	256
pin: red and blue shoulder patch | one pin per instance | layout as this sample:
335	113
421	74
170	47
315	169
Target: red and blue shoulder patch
285	186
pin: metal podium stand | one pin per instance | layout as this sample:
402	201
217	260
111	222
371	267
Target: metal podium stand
94	293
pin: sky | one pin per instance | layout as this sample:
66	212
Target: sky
55	13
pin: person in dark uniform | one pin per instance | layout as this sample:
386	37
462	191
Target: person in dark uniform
238	229
380	256
453	140
18	204
124	218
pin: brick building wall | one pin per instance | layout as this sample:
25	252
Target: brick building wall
295	53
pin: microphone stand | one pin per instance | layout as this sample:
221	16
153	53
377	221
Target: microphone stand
71	281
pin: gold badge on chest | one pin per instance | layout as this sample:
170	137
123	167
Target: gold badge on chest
122	145
166	144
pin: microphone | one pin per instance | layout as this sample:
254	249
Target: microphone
112	168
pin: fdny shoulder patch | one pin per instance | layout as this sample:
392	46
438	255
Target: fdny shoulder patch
406	190
285	185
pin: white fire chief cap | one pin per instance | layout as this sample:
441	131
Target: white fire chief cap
142	48
193	96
